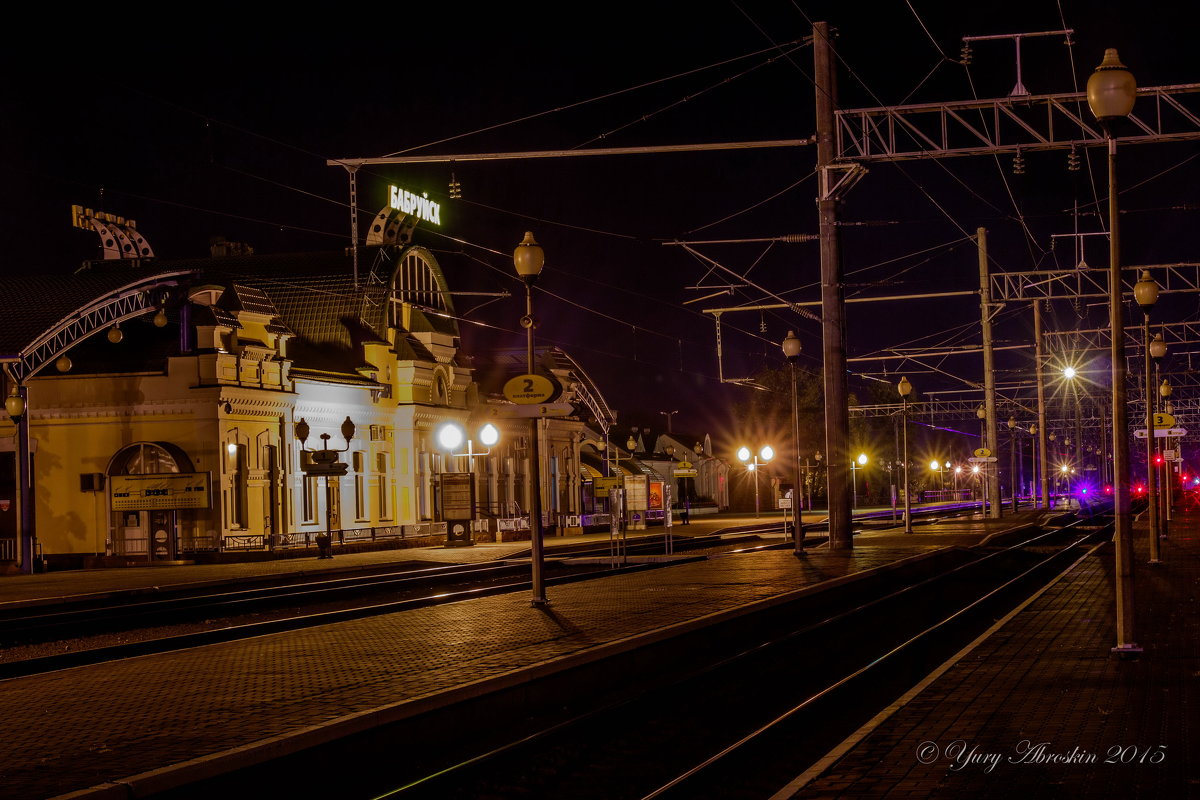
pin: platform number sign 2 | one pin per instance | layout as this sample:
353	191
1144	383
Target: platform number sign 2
528	389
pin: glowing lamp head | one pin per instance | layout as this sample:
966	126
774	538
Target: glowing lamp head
1069	373
743	454
862	459
767	453
450	436
935	465
489	434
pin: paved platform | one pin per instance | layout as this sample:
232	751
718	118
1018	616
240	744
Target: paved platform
57	586
165	719
1040	708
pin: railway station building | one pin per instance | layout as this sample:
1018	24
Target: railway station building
166	411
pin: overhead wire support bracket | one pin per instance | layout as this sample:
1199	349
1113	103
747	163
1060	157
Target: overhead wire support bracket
1019	90
849	175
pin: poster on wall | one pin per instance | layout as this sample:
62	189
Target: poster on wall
656	496
164	491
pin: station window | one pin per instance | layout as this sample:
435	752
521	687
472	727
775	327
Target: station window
360	486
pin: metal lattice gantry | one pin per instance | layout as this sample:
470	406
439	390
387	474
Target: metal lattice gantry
1008	125
1079	283
129	302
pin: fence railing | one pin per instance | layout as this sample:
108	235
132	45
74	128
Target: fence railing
292	541
243	542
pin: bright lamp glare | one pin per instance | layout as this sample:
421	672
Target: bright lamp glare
489	435
449	436
935	465
743	454
1069	373
862	458
767	453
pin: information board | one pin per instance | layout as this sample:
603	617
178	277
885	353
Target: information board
637	492
161	491
602	486
458	495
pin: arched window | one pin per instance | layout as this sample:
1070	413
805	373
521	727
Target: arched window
149	458
418	280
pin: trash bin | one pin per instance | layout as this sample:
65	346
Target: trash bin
324	546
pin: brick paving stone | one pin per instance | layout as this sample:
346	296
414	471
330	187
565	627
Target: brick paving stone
76	728
1047	677
81	727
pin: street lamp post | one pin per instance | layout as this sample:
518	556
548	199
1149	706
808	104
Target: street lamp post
1158	349
1038	498
449	437
981	415
325	462
791	351
1164	391
855	466
1012	460
1111	92
817	457
743	454
529	259
905	389
1145	292
18	407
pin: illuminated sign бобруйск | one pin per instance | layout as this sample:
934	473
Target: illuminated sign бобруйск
419	206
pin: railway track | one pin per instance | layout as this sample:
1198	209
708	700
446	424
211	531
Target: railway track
92	631
761	708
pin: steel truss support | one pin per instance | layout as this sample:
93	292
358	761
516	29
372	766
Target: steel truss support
1008	125
130	302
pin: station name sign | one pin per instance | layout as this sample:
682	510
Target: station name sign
419	206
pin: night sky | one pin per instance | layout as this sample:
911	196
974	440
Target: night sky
221	124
